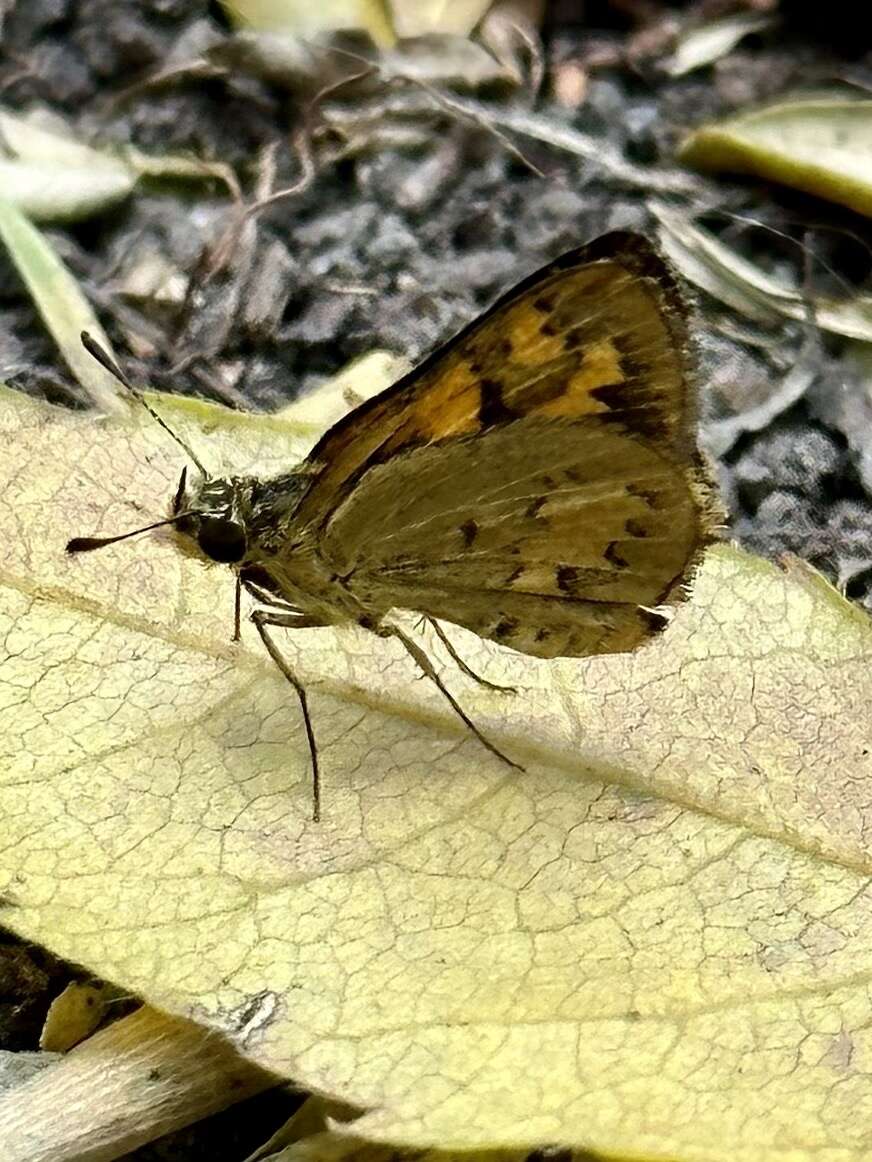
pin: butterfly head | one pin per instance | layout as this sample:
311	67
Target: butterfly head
209	514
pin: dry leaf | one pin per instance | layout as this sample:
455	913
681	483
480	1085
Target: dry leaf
361	378
63	308
303	18
703	44
421	17
654	943
72	1016
140	1077
819	143
732	279
338	1147
52	177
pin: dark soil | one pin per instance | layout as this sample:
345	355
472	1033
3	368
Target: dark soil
397	248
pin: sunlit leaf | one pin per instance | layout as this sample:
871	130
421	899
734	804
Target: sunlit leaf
362	378
652	943
303	18
72	1016
421	17
820	144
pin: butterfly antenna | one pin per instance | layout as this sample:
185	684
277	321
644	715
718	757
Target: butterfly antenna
105	360
88	544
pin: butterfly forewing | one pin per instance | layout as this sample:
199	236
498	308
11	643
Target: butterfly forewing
537	479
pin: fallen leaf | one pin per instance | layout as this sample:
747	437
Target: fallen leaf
338	1147
820	143
421	17
702	44
313	1119
653	943
52	177
717	269
72	1016
140	1077
302	18
63	308
361	378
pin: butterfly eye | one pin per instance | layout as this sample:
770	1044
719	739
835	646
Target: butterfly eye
221	539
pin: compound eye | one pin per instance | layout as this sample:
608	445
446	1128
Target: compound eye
222	540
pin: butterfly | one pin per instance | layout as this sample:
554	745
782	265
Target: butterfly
535	480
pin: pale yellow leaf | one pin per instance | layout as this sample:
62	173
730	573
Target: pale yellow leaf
422	17
303	18
63	307
818	143
360	379
654	943
72	1016
702	44
339	1147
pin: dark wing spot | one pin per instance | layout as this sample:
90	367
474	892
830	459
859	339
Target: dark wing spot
567	578
543	634
544	303
649	495
492	410
572	339
469	531
505	348
614	557
515	574
549	328
633	366
505	627
544	387
533	507
578	580
635	404
635	528
656	622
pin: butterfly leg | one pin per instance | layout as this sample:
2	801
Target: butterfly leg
470	673
262	618
237	609
426	667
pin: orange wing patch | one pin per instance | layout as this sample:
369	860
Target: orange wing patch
601	365
450	407
599	332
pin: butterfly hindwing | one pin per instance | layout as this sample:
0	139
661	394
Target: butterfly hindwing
566	527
